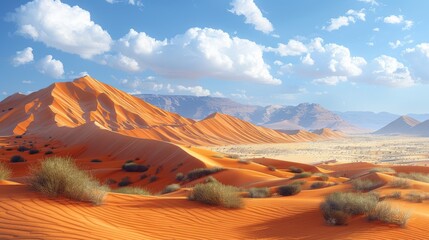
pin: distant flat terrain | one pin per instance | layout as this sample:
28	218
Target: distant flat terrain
365	148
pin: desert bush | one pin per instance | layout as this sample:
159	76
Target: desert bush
415	176
17	158
296	169
339	206
22	149
132	190
180	176
4	171
201	172
33	151
96	161
416	197
153	179
395	195
170	188
317	185
124	182
262	192
233	156
134	167
302	175
143	176
300	182
400	183
215	193
49	152
382	170
210	179
288	190
385	213
59	176
322	176
362	185
272	168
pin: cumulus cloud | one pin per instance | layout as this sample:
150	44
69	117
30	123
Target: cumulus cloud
331	80
388	71
341	21
372	2
253	15
198	53
61	26
418	58
292	48
400	20
195	90
22	57
395	44
51	67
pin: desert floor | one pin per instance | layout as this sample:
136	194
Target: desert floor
363	148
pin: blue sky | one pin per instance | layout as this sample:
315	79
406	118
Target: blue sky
344	54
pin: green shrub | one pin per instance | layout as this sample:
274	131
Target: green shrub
262	192
132	190
288	190
272	168
33	151
415	176
134	167
400	183
383	170
215	193
4	171
153	179
170	188
58	176
124	182
300	182
17	158
339	206
22	149
201	172
317	185
180	176
365	184
322	176
296	169
303	175
385	213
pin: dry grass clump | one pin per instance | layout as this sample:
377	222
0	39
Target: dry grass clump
415	176
384	212
303	175
245	161
170	188
201	172
4	171
132	190
322	176
289	189
262	192
363	185
382	170
400	183
59	176
316	185
296	169
271	168
215	193
394	195
416	197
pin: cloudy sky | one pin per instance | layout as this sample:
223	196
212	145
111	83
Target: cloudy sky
370	55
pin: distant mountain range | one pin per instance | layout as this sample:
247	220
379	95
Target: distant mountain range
406	125
303	116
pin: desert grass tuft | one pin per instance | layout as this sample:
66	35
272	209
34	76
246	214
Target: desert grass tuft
59	176
4	171
132	190
415	176
400	183
382	170
262	192
170	188
363	185
289	189
215	193
384	212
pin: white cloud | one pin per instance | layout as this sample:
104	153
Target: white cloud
372	2
253	15
241	94
371	44
292	48
195	90
395	44
22	57
418	59
376	29
218	94
408	24
307	60
198	53
393	19
332	80
27	82
388	71
61	26
341	21
278	63
51	67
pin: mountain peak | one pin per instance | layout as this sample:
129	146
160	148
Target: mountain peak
408	120
401	125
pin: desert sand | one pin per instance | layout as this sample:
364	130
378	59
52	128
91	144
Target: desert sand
89	120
